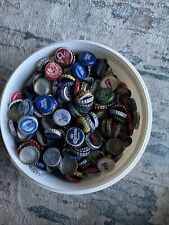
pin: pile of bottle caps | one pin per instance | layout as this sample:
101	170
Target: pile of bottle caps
73	117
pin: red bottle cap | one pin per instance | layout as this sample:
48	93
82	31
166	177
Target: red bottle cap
35	143
129	123
16	95
53	71
77	87
73	179
64	57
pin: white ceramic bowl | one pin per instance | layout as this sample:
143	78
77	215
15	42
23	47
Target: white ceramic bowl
127	73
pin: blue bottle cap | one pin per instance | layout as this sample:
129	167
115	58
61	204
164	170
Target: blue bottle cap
30	136
75	136
28	124
38	171
65	84
79	71
41	165
87	58
45	104
68	153
61	117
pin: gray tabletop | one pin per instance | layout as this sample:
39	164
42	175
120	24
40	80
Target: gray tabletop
140	31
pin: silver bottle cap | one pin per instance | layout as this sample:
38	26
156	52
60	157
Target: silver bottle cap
42	86
29	155
105	164
68	166
52	157
61	117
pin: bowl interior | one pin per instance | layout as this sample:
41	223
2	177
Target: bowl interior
127	73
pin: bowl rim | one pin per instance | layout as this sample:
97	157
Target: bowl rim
132	164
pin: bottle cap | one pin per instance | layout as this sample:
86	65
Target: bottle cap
73	179
82	109
116	158
37	114
34	143
87	58
28	125
45	104
75	136
104	95
52	157
12	128
79	71
120	108
41	138
38	171
21	136
68	166
127	143
114	146
14	104
65	94
136	120
29	155
40	64
118	113
23	145
41	165
54	87
105	164
74	112
90	122
82	162
13	112
61	117
91	170
100	106
64	57
42	86
84	123
70	154
101	67
66	77
129	124
108	127
16	95
123	91
53	71
34	79
77	87
26	107
110	82
94	140
94	119
83	151
53	133
132	104
116	129
65	84
47	122
85	101
94	156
